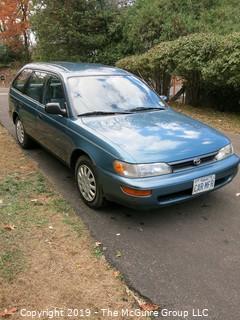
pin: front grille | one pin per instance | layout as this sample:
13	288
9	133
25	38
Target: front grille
189	163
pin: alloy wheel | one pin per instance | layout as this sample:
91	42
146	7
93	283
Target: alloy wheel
20	131
86	182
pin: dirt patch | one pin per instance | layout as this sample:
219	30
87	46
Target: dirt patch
47	257
224	121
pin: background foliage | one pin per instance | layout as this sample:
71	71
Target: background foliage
197	40
14	30
106	30
208	63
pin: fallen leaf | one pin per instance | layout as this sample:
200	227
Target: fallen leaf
116	274
118	254
98	244
40	200
9	227
37	202
148	306
8	312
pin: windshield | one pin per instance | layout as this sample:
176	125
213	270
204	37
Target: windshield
111	94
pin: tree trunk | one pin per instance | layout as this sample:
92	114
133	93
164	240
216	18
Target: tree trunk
193	89
157	80
166	83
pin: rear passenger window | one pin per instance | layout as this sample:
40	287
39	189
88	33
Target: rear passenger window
21	80
35	85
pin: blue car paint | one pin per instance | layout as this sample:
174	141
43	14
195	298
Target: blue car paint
168	189
155	136
158	136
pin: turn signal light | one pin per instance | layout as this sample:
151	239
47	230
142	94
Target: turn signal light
118	167
136	193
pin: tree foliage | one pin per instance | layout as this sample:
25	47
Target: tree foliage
107	30
77	30
150	22
14	26
197	40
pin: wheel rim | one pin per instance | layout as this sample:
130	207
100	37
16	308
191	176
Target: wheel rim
86	182
20	131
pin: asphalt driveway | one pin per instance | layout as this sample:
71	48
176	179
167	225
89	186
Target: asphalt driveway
181	257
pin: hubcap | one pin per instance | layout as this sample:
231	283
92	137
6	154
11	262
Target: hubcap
20	131
86	182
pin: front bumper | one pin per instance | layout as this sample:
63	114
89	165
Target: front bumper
167	189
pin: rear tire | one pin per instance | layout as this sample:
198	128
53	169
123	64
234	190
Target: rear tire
88	185
23	139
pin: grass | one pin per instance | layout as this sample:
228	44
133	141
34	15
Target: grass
17	210
27	203
12	262
224	121
97	252
16	192
49	248
74	223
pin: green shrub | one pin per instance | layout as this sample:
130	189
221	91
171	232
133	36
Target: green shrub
209	64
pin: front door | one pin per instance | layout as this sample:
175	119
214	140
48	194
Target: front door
53	129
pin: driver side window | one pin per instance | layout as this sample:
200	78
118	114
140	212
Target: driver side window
55	92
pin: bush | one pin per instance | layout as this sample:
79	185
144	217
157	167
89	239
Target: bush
209	63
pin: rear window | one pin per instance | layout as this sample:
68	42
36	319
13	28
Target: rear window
35	85
21	79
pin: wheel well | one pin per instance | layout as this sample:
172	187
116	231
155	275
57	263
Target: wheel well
74	157
14	117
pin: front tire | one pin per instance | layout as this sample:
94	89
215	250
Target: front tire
23	138
88	184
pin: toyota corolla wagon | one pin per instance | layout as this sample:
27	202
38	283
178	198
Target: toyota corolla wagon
123	141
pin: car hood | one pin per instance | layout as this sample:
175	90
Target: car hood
157	136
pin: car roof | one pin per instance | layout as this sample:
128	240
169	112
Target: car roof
70	69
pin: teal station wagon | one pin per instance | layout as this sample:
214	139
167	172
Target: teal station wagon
123	141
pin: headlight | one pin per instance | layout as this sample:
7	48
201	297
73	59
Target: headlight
224	152
141	170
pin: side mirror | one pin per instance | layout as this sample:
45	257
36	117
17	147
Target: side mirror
54	108
164	98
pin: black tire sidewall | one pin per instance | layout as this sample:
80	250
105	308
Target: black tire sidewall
98	201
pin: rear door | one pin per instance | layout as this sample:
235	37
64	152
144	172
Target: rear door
19	102
31	100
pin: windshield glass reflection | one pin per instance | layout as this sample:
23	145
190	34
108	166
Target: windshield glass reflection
111	94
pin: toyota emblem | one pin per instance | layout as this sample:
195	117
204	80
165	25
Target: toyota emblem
197	161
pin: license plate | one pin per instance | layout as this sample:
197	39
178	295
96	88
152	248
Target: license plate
203	184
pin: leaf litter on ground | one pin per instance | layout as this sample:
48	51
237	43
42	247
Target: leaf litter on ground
9	227
8	312
144	305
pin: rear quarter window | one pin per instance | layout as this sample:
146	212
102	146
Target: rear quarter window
20	81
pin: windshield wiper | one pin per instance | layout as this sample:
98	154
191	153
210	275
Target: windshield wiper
139	109
102	113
